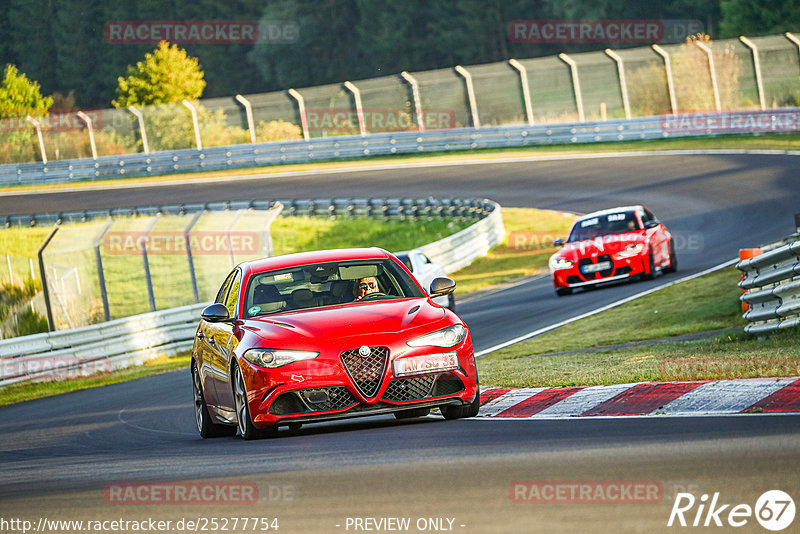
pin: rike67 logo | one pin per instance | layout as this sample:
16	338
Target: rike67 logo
774	510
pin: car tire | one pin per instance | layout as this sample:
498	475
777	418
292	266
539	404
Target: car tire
467	410
562	291
245	425
415	412
205	426
451	302
673	259
652	267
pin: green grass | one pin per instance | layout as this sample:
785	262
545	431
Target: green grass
35	390
713	305
789	141
525	250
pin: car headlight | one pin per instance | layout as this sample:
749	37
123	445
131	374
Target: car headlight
447	337
271	358
560	263
630	250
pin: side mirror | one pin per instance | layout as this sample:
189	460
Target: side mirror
651	224
215	313
442	286
558	242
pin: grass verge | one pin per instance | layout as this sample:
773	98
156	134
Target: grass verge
35	390
700	305
752	142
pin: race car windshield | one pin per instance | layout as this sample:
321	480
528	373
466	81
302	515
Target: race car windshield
600	225
327	284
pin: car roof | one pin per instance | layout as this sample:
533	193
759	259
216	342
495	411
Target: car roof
317	256
611	210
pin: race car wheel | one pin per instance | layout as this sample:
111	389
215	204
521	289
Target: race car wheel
468	410
416	412
673	259
561	291
202	417
246	428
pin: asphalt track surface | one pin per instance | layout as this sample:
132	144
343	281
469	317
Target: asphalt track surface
57	454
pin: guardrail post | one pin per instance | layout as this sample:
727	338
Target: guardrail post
670	82
43	275
417	99
526	91
576	84
359	109
712	71
88	120
142	132
195	124
248	109
190	257
757	67
623	84
38	126
301	108
473	105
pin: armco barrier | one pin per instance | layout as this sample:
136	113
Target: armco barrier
772	281
356	146
133	340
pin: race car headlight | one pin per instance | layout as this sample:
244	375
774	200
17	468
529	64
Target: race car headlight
630	250
271	358
560	263
447	337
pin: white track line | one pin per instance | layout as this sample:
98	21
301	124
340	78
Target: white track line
393	166
603	308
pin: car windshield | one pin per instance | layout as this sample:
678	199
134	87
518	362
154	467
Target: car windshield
599	225
327	284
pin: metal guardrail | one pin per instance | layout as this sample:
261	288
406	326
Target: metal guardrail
133	340
772	281
357	146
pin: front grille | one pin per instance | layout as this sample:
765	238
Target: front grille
312	400
366	372
606	272
422	387
597	274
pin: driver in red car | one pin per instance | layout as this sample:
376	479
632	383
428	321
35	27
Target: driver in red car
366	286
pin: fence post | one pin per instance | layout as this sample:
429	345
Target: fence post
248	109
417	99
712	71
526	91
190	256
138	114
793	38
576	84
301	107
10	271
757	67
148	277
197	141
670	82
623	84
88	120
43	276
359	109
473	105
38	126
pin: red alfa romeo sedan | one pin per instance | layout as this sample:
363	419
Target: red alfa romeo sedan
324	335
612	245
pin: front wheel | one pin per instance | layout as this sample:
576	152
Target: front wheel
673	259
468	410
246	428
651	273
562	291
202	417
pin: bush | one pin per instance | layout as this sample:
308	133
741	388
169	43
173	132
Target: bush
277	131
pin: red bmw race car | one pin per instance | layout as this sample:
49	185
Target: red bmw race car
612	245
324	335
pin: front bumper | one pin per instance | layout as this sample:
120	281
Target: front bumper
621	269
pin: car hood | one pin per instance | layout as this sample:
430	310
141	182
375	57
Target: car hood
607	244
351	320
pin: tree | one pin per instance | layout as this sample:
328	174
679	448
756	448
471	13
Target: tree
758	17
20	96
166	75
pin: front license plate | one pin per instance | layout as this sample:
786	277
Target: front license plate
594	267
431	363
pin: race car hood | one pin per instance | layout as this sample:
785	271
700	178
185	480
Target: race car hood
607	244
353	320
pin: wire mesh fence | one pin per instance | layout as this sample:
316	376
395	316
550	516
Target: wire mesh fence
388	103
